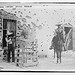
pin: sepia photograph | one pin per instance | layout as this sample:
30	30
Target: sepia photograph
37	36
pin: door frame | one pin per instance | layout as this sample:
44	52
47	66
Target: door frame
69	26
15	29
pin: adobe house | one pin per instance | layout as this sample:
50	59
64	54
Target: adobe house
24	38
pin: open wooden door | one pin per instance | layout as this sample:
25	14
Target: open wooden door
68	37
73	38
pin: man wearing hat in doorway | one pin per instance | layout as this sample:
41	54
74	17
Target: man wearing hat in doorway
10	46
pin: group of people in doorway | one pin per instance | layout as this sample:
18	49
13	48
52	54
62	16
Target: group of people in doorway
10	46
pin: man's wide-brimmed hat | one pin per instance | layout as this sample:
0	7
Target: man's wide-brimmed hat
58	24
9	33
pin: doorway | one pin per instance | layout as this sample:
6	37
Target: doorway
69	38
9	25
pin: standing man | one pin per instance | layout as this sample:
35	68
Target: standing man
10	47
60	29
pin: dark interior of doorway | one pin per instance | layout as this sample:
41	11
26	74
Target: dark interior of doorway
67	29
5	28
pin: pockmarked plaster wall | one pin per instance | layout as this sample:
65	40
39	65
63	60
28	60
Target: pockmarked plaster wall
42	20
